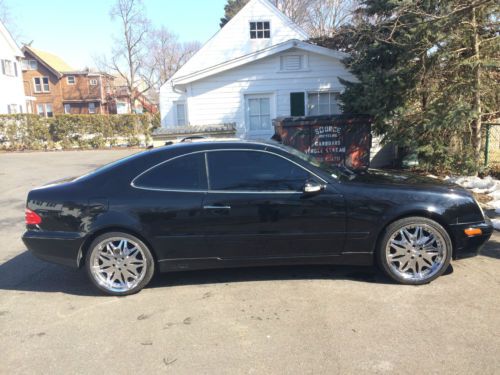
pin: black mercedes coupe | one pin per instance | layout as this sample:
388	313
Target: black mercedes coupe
216	204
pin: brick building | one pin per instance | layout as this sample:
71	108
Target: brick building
57	88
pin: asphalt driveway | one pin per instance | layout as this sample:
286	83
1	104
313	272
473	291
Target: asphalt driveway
290	320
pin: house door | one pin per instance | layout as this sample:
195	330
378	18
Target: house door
259	114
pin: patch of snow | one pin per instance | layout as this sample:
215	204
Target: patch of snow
495	195
487	185
476	184
496	223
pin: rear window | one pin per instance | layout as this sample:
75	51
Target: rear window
182	173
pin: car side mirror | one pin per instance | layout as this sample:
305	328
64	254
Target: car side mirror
312	187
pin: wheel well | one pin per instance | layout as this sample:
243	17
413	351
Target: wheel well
88	241
428	215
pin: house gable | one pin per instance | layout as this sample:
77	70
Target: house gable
233	40
43	68
52	62
9	41
273	50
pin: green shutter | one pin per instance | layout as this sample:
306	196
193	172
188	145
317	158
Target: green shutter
297	104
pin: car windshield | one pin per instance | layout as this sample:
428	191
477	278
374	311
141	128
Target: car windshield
334	171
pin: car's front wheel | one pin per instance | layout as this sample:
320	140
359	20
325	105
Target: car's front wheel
119	264
414	250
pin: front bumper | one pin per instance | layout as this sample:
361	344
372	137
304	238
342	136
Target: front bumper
55	247
465	246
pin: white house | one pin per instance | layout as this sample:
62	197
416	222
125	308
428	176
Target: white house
258	67
12	98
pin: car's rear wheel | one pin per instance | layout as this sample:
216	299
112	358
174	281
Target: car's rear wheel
119	264
414	250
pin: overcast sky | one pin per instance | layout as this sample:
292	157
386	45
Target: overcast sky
79	30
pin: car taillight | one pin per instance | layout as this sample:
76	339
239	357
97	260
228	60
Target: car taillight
31	217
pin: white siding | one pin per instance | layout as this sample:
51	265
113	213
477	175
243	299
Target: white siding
11	88
220	98
168	98
233	40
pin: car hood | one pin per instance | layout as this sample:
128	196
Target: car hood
400	179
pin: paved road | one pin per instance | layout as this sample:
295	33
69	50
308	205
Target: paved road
292	320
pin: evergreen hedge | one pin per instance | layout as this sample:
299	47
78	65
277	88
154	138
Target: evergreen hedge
33	132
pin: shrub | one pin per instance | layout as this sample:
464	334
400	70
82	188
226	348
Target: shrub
32	132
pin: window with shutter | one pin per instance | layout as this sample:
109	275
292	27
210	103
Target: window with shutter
9	68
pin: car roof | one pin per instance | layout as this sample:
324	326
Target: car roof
211	143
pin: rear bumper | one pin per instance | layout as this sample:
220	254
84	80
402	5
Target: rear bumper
465	246
55	247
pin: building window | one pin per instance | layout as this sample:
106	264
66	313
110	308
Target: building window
40	110
122	108
44	110
41	84
67	109
91	108
260	30
71	80
29	64
291	63
323	103
9	68
93	82
180	113
12	109
259	113
48	110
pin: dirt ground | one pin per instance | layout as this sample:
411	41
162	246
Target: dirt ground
288	320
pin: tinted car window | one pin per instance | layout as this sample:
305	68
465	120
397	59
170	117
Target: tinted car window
254	171
183	173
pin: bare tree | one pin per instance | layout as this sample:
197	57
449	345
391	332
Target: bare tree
167	55
324	17
296	10
319	18
4	12
8	20
129	49
142	56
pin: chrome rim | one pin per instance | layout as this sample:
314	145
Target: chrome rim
416	252
118	264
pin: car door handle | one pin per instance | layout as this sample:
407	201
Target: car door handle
216	207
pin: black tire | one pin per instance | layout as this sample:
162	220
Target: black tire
396	226
145	255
